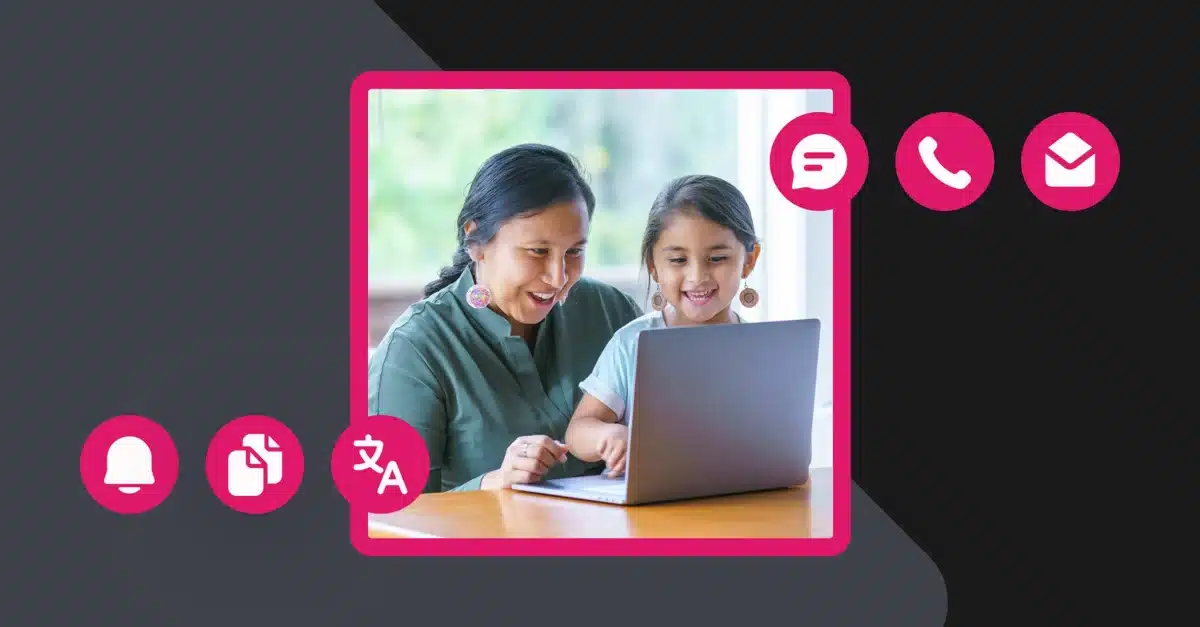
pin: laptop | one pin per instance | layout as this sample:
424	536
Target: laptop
748	428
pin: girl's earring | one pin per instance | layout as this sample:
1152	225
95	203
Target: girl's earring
479	296
749	297
657	301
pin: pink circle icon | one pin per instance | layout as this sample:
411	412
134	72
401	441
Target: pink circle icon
255	464
129	464
380	464
1070	161
945	161
818	161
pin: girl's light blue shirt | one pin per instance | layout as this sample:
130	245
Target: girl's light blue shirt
611	381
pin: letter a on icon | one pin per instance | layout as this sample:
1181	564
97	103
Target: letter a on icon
392	477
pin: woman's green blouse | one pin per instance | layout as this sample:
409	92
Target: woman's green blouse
469	387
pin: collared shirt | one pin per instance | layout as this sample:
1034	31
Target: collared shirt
470	387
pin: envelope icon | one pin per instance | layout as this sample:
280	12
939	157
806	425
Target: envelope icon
1070	162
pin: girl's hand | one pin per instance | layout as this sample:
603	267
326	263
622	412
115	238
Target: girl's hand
612	448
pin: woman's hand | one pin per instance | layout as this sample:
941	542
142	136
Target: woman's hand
525	461
612	447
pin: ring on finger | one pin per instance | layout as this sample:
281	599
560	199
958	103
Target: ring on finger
525	449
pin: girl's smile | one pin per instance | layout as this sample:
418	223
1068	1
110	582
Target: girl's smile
700	298
699	265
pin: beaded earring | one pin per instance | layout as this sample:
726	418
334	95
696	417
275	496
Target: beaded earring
749	297
658	301
479	296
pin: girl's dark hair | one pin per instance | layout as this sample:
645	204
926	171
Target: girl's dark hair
708	196
514	182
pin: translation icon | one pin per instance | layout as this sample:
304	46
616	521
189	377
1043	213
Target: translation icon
388	477
380	464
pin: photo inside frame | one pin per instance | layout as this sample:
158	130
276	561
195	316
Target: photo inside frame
425	146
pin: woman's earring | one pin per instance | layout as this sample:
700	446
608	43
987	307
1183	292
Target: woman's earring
749	297
657	301
479	296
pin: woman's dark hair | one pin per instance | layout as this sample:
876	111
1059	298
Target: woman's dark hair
514	182
711	197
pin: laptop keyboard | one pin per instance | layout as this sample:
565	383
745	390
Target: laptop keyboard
616	488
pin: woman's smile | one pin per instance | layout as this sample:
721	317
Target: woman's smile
542	300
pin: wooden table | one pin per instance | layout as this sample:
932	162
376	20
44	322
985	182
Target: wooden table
802	512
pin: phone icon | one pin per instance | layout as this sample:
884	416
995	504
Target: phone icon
957	180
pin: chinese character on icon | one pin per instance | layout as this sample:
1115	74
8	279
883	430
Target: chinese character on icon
390	476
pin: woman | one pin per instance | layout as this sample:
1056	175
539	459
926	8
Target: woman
487	366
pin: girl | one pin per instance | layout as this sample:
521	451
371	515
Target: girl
699	247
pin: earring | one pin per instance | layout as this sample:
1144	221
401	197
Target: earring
749	297
479	296
658	301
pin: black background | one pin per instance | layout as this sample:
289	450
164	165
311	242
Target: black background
993	378
999	411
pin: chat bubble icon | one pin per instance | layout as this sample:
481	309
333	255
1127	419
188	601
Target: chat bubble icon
818	162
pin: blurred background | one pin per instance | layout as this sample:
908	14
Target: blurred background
425	145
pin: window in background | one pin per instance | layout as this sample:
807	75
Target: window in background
428	145
795	272
425	146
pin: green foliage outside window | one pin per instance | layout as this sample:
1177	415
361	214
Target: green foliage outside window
426	145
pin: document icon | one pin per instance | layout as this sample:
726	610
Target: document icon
1070	162
269	451
255	466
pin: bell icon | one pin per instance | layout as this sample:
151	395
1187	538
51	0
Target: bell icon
129	465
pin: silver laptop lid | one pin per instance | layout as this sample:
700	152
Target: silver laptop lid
725	408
